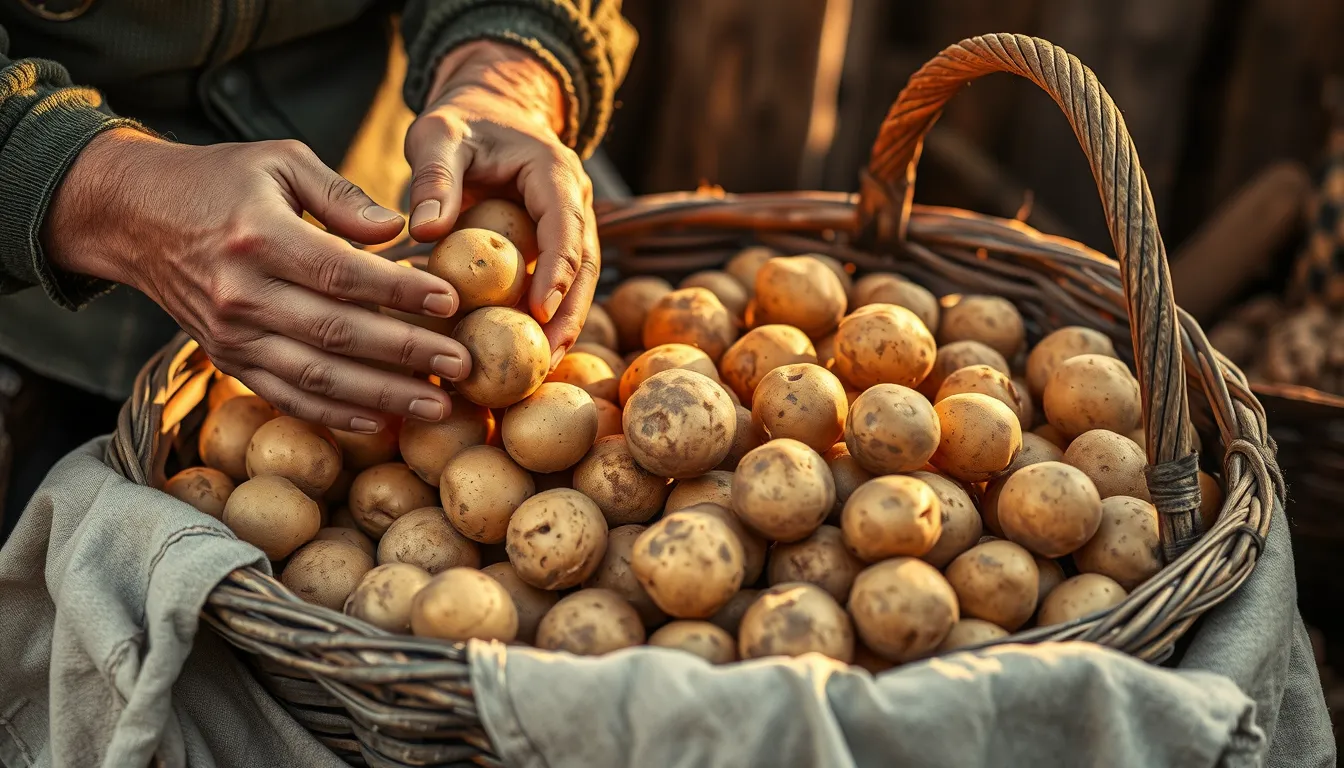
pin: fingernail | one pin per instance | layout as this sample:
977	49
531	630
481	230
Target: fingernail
424	213
551	304
557	356
440	305
380	215
429	410
447	366
363	426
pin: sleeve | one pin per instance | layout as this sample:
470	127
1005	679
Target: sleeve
587	44
44	123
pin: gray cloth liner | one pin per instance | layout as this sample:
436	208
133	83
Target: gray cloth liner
103	580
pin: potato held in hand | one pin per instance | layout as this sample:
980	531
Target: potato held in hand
679	424
510	356
690	564
484	267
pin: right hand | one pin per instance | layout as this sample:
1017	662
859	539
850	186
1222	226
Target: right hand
214	235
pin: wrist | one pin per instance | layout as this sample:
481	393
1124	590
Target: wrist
503	70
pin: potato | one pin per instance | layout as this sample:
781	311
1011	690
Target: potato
530	603
427	447
690	563
1082	595
1048	432
883	344
349	536
1092	392
202	487
1035	450
588	372
384	493
1050	508
461	604
228	430
729	617
556	539
868	661
629	307
360	451
826	352
980	437
746	439
903	608
590	622
486	269
760	351
1059	346
1210	499
804	402
744	266
341	518
621	488
608	418
1127	546
679	424
984	380
889	516
665	358
480	489
996	581
701	638
1114	463
725	288
838	269
955	356
990	320
799	291
225	388
1051	575
598	329
423	538
754	548
510	356
710	488
551	429
847	474
960	520
441	325
614	573
606	355
303	453
384	596
820	559
886	288
326	572
693	316
794	619
783	490
508	219
891	429
272	514
971	632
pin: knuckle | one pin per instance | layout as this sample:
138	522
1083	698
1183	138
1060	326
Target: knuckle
242	240
408	351
335	276
589	268
316	376
336	333
340	188
432	176
387	399
293	148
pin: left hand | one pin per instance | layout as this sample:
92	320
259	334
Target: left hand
491	129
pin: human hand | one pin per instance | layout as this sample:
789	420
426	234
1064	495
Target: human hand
491	129
214	235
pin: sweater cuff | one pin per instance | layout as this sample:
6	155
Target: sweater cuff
571	45
33	162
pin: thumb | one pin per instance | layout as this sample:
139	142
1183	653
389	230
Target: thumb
342	207
438	165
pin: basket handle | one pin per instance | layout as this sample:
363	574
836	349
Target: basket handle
888	189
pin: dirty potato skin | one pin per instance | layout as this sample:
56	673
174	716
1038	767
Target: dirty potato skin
1092	392
1127	546
598	329
204	488
794	619
754	548
892	429
480	488
1051	575
990	320
979	438
621	488
510	356
969	632
1079	596
692	316
886	288
955	356
383	493
608	418
890	516
664	357
799	291
360	451
820	559
349	536
984	380
802	401
710	488
427	447
760	351
228	430
629	306
530	603
1050	508
700	638
961	523
1114	463
424	538
1059	346
551	429
614	573
747	438
996	581
847	473
383	597
273	515
679	424
744	266
903	608
783	490
589	372
462	604
590	622
326	572
556	539
725	288
729	617
883	344
303	453
690	563
504	217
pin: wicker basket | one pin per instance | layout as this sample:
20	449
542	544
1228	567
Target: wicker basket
392	700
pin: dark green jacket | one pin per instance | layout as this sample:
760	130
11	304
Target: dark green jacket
204	71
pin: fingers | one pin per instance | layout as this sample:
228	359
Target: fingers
341	206
292	401
564	327
558	194
439	159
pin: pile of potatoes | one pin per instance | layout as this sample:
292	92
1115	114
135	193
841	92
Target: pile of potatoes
773	459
